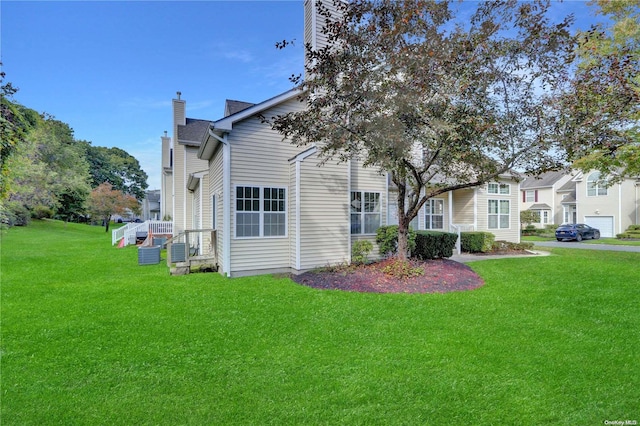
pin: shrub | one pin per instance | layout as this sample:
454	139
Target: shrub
507	245
475	242
434	245
633	228
15	214
42	212
402	269
360	251
387	239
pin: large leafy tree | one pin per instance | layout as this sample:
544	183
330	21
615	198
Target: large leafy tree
601	124
117	167
439	102
13	125
49	168
105	201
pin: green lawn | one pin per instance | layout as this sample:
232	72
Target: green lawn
89	337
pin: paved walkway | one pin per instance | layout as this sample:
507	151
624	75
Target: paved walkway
469	257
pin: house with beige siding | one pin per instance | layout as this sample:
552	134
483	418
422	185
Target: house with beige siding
610	207
545	194
277	207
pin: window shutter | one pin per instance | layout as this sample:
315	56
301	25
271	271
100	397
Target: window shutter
536	196
524	196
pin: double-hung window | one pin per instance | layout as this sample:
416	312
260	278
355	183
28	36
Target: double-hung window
499	217
596	186
260	212
499	188
365	212
434	214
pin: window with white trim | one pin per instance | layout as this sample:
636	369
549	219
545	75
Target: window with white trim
499	188
365	212
498	214
530	196
434	214
260	212
596	186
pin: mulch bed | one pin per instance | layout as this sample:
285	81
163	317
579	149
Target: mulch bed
440	276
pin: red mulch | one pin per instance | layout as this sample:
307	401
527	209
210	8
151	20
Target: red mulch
440	276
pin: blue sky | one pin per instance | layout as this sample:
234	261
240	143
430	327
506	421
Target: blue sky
110	69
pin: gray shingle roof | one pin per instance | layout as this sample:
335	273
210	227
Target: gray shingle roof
545	180
567	187
193	132
231	107
541	206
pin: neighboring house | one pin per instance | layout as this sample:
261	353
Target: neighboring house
151	205
610	208
275	208
184	183
583	198
541	194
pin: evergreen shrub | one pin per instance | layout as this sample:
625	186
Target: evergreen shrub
477	242
434	245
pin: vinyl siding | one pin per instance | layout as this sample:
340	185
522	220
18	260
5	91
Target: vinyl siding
215	187
194	165
179	189
259	157
513	232
463	207
293	195
324	213
369	180
620	202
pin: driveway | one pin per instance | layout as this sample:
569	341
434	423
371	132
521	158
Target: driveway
577	245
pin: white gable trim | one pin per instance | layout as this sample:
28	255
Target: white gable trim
226	124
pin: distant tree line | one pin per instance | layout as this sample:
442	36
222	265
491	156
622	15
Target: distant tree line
46	173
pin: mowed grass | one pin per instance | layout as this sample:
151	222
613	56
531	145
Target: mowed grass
90	337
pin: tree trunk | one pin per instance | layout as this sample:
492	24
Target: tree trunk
106	224
403	240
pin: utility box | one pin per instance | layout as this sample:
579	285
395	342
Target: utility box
178	252
149	255
159	241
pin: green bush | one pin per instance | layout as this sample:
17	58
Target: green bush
360	251
508	245
434	245
387	239
476	242
42	212
15	214
633	228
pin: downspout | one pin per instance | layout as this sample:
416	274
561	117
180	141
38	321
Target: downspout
619	208
349	209
298	227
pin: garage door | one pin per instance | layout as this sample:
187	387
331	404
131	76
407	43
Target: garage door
603	223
